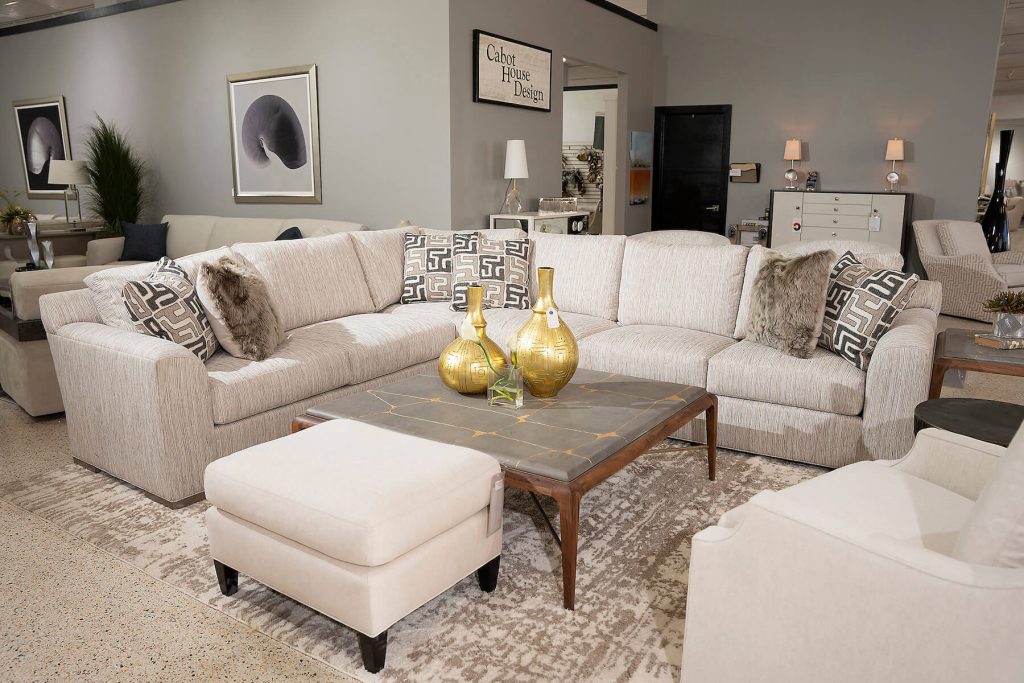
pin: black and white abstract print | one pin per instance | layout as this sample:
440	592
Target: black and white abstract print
42	132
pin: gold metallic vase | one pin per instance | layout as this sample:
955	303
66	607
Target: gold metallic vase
463	365
545	346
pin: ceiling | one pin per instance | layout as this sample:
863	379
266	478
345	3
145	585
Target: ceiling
1010	68
13	12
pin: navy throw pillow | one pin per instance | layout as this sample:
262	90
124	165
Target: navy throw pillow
290	234
144	242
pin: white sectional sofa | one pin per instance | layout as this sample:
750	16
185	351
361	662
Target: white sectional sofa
149	412
26	367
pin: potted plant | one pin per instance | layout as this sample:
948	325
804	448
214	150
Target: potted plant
1009	309
13	216
116	174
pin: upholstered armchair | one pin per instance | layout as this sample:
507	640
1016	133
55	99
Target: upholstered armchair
1014	211
856	575
955	253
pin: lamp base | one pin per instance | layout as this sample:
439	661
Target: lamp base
792	176
513	204
893	178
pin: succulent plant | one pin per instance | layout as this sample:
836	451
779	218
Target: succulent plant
1006	302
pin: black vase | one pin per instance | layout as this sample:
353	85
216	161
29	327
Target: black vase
993	224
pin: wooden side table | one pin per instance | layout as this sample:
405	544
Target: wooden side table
992	421
955	350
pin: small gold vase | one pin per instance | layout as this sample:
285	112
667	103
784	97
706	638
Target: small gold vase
547	355
463	365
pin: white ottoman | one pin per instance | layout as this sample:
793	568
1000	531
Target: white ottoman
359	523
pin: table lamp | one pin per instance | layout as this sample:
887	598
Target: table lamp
792	155
893	153
72	174
515	169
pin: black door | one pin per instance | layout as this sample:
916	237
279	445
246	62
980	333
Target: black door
691	167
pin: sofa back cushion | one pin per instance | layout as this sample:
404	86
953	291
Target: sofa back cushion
588	270
958	238
320	227
682	286
188	235
382	256
106	286
994	532
229	231
311	280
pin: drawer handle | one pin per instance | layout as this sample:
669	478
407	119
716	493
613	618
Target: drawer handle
798	208
836	198
836	221
834	235
836	209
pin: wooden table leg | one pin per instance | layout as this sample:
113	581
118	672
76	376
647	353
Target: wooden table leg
711	424
939	368
569	521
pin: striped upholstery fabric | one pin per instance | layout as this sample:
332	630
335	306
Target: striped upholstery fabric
587	271
503	323
692	238
382	255
693	287
668	354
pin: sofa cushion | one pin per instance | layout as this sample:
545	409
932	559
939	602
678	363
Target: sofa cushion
587	271
311	280
352	491
382	255
994	532
106	286
877	500
680	286
823	382
500	267
503	323
188	234
667	354
239	307
322	357
229	231
428	269
144	242
1013	273
431	309
318	227
787	302
962	237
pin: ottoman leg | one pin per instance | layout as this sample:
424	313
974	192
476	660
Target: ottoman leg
226	577
374	650
487	575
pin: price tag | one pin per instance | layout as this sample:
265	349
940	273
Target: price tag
875	223
552	316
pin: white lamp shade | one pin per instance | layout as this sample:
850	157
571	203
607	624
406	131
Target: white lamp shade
894	150
792	150
515	160
66	172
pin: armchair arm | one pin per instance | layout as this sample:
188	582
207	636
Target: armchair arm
783	578
137	407
955	462
1009	258
897	380
968	280
103	251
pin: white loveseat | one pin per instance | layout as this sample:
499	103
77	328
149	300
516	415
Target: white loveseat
149	412
26	367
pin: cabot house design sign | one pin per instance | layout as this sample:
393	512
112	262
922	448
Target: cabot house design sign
510	72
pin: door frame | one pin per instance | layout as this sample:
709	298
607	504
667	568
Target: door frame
659	151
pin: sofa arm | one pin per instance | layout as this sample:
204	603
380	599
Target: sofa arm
781	578
28	286
953	461
103	251
927	294
1015	258
137	407
967	281
897	380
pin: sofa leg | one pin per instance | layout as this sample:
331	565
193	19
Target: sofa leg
374	649
487	575
226	577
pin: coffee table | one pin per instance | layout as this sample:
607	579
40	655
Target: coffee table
558	447
955	350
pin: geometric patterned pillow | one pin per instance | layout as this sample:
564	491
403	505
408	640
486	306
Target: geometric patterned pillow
860	307
166	305
441	267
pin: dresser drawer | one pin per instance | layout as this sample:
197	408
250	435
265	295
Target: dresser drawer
832	221
808	234
838	209
836	198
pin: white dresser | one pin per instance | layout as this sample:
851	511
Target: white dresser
865	217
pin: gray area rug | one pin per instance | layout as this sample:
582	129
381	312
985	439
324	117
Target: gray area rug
631	591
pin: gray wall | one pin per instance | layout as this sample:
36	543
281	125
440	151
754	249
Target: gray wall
159	74
843	77
571	28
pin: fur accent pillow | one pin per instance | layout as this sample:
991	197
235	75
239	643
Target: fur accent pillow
238	305
787	302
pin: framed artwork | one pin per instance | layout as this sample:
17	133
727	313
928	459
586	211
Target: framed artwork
641	160
510	72
43	136
275	136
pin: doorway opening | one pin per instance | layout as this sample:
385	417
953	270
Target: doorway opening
590	134
691	167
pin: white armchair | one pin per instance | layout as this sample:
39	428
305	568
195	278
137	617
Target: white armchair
969	273
852	576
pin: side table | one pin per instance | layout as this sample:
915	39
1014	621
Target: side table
955	349
992	421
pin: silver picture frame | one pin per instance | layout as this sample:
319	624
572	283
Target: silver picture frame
42	127
275	136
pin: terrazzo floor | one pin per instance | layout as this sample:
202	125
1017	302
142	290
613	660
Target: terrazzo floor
71	612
